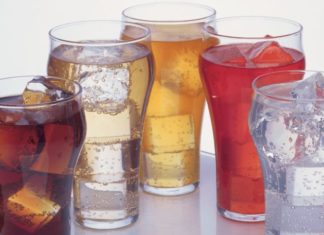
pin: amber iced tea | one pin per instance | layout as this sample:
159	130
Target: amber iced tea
39	147
171	138
173	119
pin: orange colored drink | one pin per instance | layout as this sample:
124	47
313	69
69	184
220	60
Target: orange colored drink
171	137
173	119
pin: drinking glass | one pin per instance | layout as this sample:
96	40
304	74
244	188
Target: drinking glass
171	140
247	47
113	63
42	129
287	125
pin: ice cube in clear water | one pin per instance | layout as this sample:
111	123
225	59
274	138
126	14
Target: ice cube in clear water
282	145
307	90
305	183
42	90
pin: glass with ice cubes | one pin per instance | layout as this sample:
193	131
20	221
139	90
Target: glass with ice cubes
171	140
42	130
112	61
246	48
287	125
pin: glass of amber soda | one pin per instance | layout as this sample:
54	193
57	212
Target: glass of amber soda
246	48
112	60
171	139
42	130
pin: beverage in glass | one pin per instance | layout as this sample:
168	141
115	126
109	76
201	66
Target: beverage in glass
42	129
247	47
287	125
113	63
171	140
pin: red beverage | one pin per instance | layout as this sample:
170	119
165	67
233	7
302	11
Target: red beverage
39	147
227	73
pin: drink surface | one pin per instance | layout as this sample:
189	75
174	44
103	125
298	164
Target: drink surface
228	72
115	82
173	119
290	146
39	149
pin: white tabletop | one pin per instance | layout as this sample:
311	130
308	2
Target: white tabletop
192	214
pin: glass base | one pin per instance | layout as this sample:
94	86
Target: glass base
241	217
104	224
170	191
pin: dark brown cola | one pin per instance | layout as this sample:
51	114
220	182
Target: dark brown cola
39	147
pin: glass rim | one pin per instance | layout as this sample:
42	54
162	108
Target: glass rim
169	22
145	37
257	90
45	104
273	18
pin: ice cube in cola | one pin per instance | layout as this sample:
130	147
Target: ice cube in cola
41	90
39	146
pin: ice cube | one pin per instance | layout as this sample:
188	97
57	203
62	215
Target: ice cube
169	134
305	185
281	140
166	102
99	125
56	155
42	90
105	89
18	146
268	54
181	73
306	89
170	169
30	211
233	55
97	55
309	88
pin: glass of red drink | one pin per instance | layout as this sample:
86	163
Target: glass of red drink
245	47
42	130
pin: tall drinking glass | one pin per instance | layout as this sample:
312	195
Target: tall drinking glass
247	47
113	63
42	130
287	125
171	141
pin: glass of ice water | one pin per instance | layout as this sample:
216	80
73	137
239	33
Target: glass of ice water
287	124
113	63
